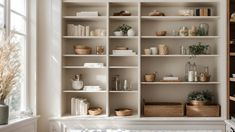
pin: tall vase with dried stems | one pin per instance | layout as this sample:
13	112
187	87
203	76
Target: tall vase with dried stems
9	71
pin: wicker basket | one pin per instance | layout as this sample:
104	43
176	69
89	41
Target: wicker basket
123	112
95	111
202	111
82	50
159	109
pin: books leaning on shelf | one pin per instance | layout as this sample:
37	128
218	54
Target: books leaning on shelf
87	13
79	106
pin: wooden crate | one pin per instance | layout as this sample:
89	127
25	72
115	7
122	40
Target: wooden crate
157	109
203	111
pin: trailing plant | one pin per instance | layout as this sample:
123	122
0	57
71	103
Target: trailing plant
124	28
200	96
198	49
9	65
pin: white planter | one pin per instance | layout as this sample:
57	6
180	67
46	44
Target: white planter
131	32
118	33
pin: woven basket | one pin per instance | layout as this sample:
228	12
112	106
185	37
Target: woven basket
123	112
95	111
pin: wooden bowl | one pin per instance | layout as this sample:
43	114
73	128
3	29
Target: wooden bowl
149	77
82	50
95	111
123	112
161	33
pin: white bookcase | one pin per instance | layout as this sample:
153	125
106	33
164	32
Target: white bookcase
134	67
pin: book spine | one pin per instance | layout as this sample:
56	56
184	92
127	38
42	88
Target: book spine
201	12
79	30
87	30
83	31
205	11
72	106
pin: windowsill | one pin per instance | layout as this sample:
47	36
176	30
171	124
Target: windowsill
18	123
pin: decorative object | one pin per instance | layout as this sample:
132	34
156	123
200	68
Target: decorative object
170	78
150	77
186	12
87	13
232	16
124	28
9	71
187	69
156	13
131	32
190	73
82	50
93	65
122	13
94	111
118	33
205	76
161	33
154	50
123	112
100	50
183	31
192	31
147	51
202	110
77	83
203	29
183	50
121	48
116	82
123	52
125	85
163	49
195	73
233	75
198	49
163	109
200	97
175	33
92	88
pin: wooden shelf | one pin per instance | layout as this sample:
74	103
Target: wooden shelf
179	83
124	18
180	37
134	91
82	67
92	55
123	67
82	91
123	55
176	55
123	37
86	18
179	18
84	37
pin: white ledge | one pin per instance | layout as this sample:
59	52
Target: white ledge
14	124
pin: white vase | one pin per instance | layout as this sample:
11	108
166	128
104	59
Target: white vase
131	32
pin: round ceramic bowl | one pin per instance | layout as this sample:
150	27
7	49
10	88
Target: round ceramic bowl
118	33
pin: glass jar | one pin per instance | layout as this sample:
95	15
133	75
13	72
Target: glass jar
99	50
203	29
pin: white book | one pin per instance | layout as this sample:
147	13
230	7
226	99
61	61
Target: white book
79	30
94	65
87	30
75	30
122	51
87	13
72	106
170	78
70	29
77	106
83	31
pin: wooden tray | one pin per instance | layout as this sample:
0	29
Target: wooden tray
202	111
166	109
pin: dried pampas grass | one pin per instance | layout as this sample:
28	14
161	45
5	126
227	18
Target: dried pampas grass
9	65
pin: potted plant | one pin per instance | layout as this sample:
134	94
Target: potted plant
9	72
122	30
200	97
198	49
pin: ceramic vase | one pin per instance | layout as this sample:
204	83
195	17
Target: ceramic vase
4	113
131	32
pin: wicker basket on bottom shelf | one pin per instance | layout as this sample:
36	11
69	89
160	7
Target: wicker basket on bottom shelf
159	109
202	111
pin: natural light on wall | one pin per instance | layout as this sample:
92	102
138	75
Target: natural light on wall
13	17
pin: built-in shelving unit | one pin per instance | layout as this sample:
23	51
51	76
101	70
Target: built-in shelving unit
134	67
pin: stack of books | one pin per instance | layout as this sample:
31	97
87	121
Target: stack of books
123	52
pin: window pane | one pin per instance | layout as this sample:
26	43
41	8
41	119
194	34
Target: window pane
1	17
19	6
18	23
16	100
2	2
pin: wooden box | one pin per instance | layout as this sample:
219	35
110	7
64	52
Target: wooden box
203	111
157	109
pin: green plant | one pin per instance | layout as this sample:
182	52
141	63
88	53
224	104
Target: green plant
198	49
124	28
200	96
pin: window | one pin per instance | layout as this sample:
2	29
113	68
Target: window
13	16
